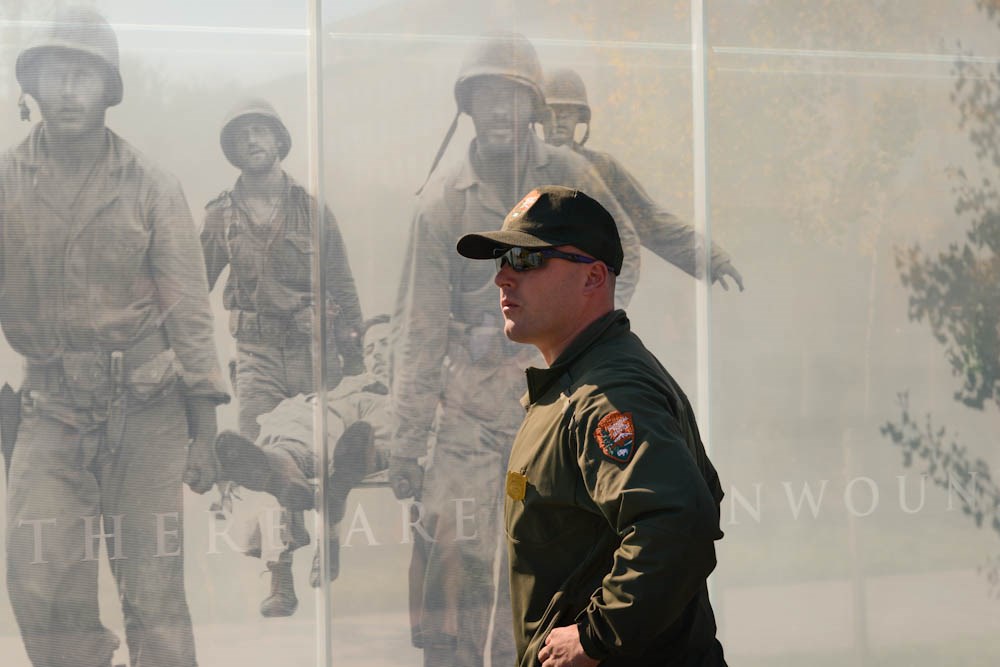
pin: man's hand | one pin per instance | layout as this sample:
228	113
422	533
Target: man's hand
202	467
406	477
720	272
563	649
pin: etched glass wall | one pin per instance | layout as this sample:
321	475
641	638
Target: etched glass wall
849	143
183	66
847	393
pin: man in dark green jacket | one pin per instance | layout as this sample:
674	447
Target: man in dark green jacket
612	505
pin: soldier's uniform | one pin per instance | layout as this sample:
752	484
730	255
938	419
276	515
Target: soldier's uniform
269	297
612	508
358	399
659	230
107	302
450	356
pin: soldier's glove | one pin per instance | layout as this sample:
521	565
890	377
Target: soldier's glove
406	477
202	469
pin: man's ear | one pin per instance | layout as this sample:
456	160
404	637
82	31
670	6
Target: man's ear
597	276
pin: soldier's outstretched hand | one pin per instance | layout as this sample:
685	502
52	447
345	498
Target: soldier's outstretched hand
725	269
202	469
406	476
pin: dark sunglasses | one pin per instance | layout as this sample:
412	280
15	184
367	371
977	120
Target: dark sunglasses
522	259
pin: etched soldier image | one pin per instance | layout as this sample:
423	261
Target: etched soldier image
456	380
104	295
658	229
283	462
262	230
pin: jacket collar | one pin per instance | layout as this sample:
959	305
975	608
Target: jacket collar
240	189
615	323
32	152
103	185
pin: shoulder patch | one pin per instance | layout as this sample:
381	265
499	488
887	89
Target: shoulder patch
615	435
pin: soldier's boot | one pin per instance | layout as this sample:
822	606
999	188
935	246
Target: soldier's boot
333	547
353	458
269	470
282	600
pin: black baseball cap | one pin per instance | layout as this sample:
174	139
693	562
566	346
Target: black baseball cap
549	216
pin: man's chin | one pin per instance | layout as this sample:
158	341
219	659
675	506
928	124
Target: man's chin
257	167
494	150
510	330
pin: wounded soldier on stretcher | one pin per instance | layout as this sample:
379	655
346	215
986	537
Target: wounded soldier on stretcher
284	464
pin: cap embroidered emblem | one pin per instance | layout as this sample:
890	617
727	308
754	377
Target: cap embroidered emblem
523	205
615	435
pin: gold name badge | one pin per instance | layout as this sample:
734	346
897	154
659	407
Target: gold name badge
517	484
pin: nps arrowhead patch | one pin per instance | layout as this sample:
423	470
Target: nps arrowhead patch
523	205
615	435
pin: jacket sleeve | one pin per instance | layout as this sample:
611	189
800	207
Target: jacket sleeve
659	230
213	242
664	513
420	331
178	269
343	292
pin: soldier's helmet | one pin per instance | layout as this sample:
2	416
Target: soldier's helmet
565	87
246	109
508	55
78	29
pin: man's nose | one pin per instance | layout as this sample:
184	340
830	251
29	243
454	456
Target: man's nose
505	276
502	107
254	135
68	86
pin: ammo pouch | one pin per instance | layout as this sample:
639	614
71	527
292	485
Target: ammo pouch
92	379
